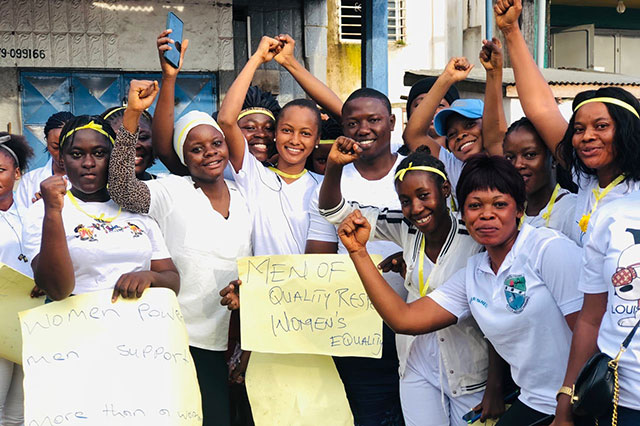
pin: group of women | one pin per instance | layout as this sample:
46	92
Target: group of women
513	250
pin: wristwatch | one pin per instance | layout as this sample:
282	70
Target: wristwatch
565	390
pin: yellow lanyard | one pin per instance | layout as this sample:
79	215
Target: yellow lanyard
584	221
287	175
546	215
423	286
100	218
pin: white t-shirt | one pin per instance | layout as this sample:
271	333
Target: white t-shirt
279	211
30	184
11	246
611	264
586	198
204	247
380	193
100	252
453	167
562	214
521	309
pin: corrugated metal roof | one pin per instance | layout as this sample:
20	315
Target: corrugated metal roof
552	75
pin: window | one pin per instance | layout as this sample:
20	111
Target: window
351	20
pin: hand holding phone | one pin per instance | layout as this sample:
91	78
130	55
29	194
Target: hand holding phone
172	55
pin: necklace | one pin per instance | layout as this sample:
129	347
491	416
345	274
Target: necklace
584	221
287	175
100	218
22	256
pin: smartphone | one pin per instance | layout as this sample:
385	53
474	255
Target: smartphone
175	24
472	416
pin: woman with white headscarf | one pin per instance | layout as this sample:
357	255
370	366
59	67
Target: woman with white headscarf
206	225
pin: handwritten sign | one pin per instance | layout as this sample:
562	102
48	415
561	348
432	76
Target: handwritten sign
302	390
312	304
88	361
15	289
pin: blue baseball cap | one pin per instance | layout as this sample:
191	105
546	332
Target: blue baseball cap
470	108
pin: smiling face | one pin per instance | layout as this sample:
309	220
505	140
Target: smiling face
259	130
368	122
531	158
464	136
319	158
144	148
593	135
297	133
9	173
205	153
86	160
443	104
423	201
491	217
53	146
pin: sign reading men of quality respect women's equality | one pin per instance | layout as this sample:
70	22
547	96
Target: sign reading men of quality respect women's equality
91	362
309	304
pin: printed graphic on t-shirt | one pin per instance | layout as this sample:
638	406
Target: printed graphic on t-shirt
626	282
91	232
515	289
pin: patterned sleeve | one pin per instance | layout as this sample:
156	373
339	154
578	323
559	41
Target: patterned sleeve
125	189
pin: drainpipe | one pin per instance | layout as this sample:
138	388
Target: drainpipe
542	32
488	20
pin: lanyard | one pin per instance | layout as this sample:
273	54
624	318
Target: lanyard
100	218
584	221
287	175
546	215
423	286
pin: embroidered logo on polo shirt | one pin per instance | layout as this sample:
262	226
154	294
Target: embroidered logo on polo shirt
515	290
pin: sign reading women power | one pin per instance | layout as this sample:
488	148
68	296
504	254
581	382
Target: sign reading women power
89	361
310	304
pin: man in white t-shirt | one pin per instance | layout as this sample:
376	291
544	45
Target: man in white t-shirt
372	385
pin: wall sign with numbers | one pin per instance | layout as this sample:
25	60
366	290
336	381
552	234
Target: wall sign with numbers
22	53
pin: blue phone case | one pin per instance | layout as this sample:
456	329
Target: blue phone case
174	23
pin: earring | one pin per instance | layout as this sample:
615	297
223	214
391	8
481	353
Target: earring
317	146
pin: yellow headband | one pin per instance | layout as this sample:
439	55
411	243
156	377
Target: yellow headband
613	101
326	141
93	126
250	111
114	111
401	173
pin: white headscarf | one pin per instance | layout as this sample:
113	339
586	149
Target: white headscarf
185	124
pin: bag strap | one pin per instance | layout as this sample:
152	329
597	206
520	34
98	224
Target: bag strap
627	340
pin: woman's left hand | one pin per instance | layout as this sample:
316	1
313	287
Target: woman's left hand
230	296
354	232
492	405
132	285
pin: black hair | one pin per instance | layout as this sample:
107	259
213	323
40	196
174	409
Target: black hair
19	145
56	121
331	129
482	172
80	121
258	98
117	113
563	176
626	141
422	157
304	103
367	92
423	86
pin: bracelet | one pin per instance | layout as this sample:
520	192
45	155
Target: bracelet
566	390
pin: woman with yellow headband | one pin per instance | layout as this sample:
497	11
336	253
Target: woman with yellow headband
521	291
601	142
79	240
257	121
435	244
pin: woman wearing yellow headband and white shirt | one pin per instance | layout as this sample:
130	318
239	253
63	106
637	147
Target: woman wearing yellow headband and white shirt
601	142
443	374
206	225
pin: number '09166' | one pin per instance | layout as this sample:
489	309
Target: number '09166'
22	53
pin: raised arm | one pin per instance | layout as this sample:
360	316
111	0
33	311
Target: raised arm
416	132
494	123
534	93
343	152
232	104
52	267
317	90
419	317
124	187
163	117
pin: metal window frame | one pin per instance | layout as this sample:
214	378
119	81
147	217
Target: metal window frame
397	29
